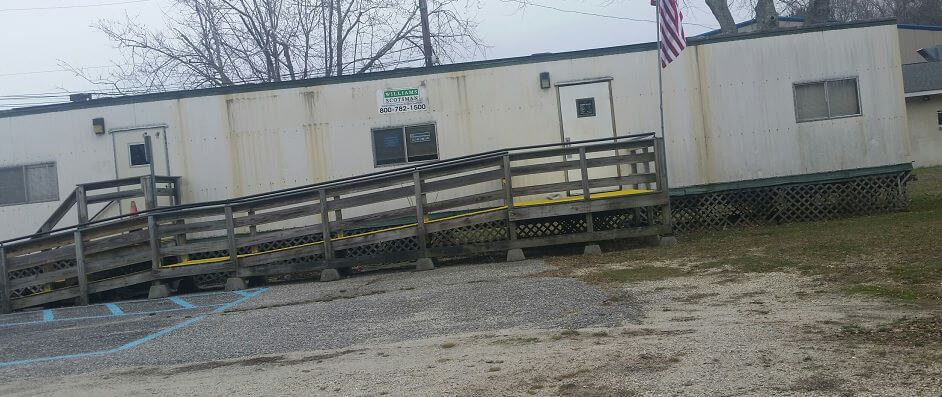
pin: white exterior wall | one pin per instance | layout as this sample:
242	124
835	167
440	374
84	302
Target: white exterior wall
924	130
730	117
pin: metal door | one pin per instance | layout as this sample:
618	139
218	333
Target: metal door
130	156
586	112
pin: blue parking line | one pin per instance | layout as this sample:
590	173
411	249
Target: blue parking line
178	300
115	310
136	342
47	315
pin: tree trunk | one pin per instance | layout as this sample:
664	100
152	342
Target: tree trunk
819	12
720	10
766	16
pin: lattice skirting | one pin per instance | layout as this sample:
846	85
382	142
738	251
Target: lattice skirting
865	195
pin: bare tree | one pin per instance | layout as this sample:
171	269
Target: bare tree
766	16
928	12
208	43
720	10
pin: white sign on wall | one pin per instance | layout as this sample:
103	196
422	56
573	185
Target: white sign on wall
401	100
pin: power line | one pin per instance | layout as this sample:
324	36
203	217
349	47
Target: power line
593	14
56	70
73	6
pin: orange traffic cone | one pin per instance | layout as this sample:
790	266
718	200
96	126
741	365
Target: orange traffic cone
133	208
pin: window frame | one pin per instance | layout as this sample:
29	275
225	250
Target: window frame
827	98
938	116
26	187
405	143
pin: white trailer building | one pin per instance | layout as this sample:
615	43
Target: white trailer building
751	111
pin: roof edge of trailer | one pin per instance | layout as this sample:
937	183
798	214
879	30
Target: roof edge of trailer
419	71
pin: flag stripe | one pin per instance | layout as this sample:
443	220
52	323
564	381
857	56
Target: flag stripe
670	24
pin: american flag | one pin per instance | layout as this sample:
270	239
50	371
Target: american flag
670	21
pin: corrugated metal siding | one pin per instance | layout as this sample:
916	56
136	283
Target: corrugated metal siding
730	117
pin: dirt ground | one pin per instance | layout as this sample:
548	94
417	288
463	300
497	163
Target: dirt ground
751	334
844	307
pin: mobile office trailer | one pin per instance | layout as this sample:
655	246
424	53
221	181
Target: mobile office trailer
750	111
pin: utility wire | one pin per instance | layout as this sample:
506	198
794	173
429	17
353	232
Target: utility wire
72	6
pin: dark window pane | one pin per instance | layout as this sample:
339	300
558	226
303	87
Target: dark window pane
138	154
12	190
939	115
388	146
42	183
585	107
422	143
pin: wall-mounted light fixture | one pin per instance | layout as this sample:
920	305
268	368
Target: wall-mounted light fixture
544	80
98	125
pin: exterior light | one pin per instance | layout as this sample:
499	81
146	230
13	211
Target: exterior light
544	80
98	125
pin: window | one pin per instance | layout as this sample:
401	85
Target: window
826	100
585	107
34	183
939	116
138	154
398	145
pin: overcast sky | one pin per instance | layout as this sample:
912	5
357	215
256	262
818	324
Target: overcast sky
35	41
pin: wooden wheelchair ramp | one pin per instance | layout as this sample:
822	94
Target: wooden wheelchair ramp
494	201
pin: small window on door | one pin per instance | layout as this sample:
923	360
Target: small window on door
938	115
585	107
138	154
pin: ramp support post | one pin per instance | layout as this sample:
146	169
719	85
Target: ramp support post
5	306
80	268
583	164
325	227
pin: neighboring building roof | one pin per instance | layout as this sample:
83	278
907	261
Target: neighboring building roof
910	26
420	71
749	23
923	78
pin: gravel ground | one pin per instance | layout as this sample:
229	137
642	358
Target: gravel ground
507	329
378	308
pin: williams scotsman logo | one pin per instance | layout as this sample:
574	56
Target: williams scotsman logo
401	100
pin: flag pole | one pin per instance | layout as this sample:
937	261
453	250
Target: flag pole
660	82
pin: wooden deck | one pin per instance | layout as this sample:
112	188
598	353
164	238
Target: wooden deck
458	207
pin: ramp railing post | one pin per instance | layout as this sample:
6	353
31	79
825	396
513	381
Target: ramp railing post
81	204
420	233
80	268
155	259
325	226
230	236
509	196
149	188
583	165
660	167
5	306
338	216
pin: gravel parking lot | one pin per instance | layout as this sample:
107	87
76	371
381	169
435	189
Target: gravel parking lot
375	308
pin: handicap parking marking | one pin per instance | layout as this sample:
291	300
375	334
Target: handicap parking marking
115	310
181	302
245	295
129	308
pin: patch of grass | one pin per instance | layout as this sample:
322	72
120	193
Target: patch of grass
893	255
884	291
640	273
906	331
448	345
516	340
817	382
